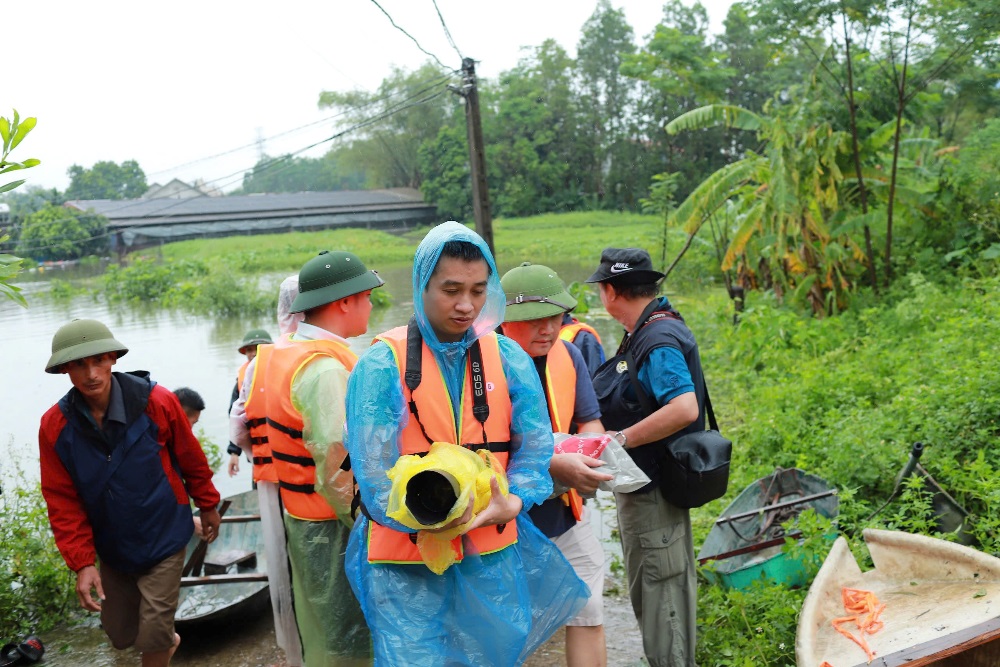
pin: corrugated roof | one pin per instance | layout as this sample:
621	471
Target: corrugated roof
151	211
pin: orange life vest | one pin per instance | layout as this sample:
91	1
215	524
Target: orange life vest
241	375
560	394
294	465
255	406
437	420
569	331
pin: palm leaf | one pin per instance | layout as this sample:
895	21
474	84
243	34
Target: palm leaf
750	224
711	194
879	138
728	115
850	226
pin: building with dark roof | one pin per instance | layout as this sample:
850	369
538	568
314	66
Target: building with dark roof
139	223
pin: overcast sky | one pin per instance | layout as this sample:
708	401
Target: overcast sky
171	83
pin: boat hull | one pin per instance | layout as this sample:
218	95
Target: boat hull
942	605
741	570
217	602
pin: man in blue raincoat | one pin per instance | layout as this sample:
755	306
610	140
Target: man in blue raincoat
446	377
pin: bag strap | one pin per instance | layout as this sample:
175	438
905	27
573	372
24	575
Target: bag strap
480	407
413	374
647	402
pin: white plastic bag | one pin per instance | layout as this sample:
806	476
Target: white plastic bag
627	475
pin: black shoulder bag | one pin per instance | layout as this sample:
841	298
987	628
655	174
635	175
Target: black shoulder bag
694	469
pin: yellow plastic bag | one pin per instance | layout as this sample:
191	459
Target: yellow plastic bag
431	491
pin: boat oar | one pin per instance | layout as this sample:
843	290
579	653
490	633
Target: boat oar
751	548
198	555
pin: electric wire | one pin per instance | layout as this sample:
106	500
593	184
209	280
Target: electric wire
303	127
423	86
447	33
389	111
402	106
414	39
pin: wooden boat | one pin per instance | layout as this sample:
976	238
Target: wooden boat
227	578
942	605
745	542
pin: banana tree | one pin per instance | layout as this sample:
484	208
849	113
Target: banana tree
783	201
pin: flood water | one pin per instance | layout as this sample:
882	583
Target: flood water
200	352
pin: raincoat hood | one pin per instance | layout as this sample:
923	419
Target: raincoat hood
424	261
288	321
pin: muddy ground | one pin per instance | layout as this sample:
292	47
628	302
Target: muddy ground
251	643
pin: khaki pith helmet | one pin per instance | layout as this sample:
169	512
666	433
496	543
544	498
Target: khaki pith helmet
253	338
80	339
533	292
331	276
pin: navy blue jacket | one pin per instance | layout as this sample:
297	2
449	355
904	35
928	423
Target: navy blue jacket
122	480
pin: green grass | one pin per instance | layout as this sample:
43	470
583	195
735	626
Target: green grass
551	238
286	253
845	398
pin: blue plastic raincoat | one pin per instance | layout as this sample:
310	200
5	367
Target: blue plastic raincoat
485	610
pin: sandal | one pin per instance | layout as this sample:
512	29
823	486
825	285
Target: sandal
32	650
10	655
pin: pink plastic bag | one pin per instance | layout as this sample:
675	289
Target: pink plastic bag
589	445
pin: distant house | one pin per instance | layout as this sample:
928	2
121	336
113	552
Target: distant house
178	189
139	223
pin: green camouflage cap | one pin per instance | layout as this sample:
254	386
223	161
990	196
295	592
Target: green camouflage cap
330	276
80	339
533	292
255	337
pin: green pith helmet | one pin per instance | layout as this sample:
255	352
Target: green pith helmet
254	337
330	276
534	291
80	339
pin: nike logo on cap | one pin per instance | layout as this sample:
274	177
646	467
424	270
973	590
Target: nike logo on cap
619	267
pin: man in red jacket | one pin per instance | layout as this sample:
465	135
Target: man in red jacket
118	462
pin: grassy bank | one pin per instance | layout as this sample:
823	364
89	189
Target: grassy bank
555	238
845	398
210	276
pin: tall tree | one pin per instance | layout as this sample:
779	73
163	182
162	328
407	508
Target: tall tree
530	125
447	176
681	71
107	180
607	117
925	41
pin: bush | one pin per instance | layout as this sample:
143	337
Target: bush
844	398
37	590
57	233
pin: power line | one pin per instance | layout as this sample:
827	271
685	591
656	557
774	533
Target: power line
401	106
306	126
363	124
414	39
447	33
423	86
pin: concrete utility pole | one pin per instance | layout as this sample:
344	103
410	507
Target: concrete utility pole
477	154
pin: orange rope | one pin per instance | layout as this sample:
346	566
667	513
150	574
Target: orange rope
865	609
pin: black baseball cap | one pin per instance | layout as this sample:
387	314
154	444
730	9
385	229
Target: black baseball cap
625	266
